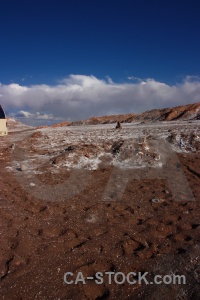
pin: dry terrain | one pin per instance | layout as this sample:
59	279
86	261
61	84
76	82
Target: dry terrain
96	199
183	112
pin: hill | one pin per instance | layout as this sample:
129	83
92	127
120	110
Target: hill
184	112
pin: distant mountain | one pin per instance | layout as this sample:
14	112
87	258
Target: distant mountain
184	112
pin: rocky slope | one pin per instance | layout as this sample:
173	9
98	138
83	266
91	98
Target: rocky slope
184	112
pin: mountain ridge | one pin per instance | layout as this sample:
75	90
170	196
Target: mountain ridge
183	112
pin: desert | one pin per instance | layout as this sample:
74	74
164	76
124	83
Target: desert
92	198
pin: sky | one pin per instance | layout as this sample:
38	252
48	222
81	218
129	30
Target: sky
73	59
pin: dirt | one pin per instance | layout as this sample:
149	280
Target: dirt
146	230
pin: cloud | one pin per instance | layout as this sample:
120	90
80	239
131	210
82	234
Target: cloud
80	96
35	119
23	114
134	78
26	114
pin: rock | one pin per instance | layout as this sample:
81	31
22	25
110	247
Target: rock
118	126
155	200
181	143
130	246
37	134
153	155
10	148
87	155
116	146
171	138
23	167
69	148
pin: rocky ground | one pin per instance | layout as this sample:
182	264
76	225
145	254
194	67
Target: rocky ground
95	199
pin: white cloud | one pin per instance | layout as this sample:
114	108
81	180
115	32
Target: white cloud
26	114
134	78
80	96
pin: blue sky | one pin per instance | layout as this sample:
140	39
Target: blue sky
49	44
